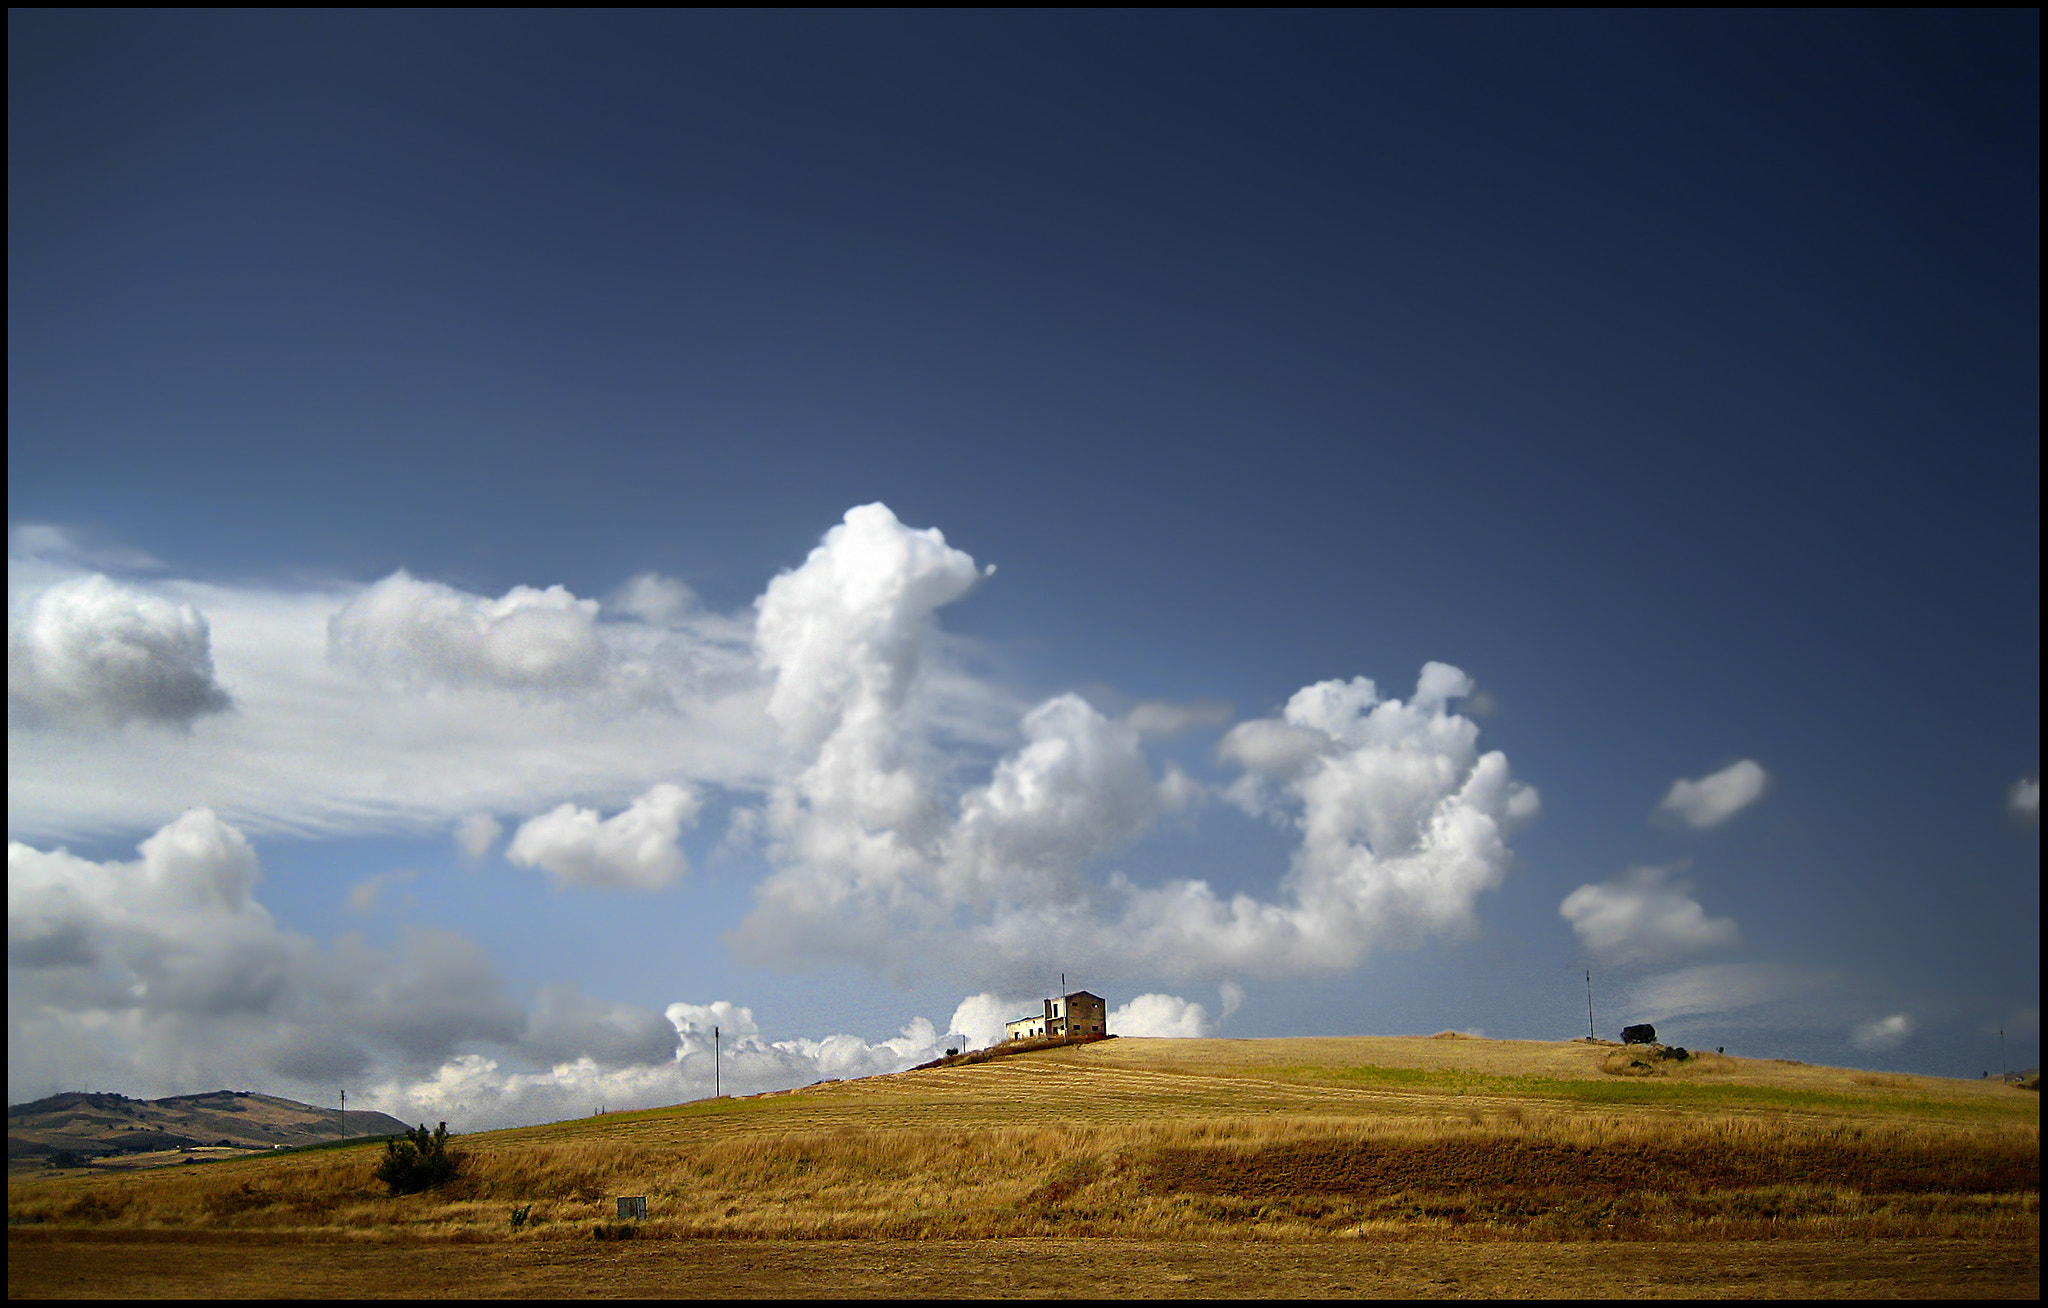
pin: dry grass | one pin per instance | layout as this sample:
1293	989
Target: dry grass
1200	1140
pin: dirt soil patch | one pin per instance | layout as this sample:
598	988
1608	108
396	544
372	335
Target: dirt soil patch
184	1266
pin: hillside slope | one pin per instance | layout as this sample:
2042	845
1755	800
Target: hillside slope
89	1125
1403	1138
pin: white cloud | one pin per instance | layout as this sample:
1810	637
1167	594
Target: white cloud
68	550
423	632
1158	718
90	652
917	816
1401	820
635	849
1160	1015
476	833
165	975
2024	799
1882	1033
1712	800
843	635
1642	915
475	1092
1401	817
651	597
178	930
1079	786
1788	995
980	1018
316	748
1233	999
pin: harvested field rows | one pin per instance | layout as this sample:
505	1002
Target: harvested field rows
1191	1140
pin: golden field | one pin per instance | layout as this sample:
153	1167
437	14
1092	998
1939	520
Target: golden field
1399	1139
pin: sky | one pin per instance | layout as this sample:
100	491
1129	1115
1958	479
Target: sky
534	535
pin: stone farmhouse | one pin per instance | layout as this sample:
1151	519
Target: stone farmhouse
1076	1014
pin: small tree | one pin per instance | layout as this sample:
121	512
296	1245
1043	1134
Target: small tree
416	1161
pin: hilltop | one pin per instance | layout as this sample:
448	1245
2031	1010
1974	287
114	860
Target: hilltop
1303	1138
1240	1168
83	1127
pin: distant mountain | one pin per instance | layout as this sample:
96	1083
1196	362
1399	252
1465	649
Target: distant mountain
99	1125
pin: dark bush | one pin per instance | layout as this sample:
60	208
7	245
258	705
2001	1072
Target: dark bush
416	1161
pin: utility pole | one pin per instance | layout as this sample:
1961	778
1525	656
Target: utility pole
344	1114
714	1063
1589	1005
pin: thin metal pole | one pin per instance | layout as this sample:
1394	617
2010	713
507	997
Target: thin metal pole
715	1092
1589	1006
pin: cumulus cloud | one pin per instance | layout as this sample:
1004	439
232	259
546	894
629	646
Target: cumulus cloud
2024	799
90	652
168	966
846	637
1642	915
635	849
427	633
1712	800
316	747
566	1026
844	634
979	1018
165	975
914	814
1401	817
177	930
1079	786
478	1092
1882	1033
1160	1015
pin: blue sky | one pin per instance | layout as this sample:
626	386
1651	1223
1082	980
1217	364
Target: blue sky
533	534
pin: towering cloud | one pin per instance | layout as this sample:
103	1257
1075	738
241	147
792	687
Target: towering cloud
91	652
1401	816
916	818
856	824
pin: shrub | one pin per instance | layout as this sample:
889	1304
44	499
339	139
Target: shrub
416	1161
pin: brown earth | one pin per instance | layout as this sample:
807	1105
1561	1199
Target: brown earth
181	1265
